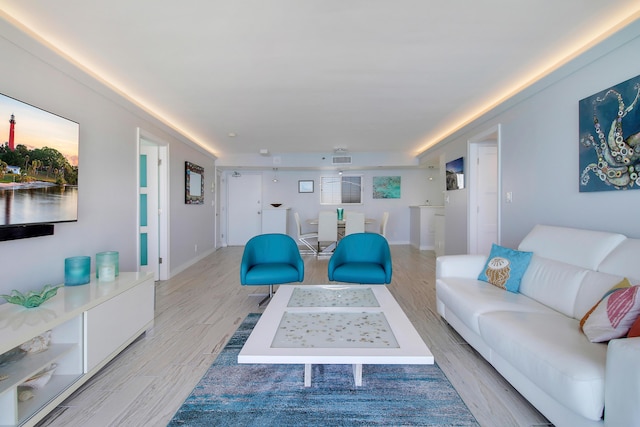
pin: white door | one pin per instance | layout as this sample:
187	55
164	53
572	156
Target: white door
487	198
244	208
153	223
148	231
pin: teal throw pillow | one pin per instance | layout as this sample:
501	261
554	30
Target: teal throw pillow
505	267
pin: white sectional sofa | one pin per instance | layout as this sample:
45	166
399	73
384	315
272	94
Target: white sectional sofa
533	337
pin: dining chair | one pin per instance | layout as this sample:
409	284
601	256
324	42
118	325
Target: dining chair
354	223
304	237
270	259
327	230
383	224
361	258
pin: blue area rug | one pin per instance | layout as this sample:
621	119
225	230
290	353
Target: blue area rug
230	394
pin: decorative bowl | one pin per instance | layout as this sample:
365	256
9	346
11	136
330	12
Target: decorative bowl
32	298
276	205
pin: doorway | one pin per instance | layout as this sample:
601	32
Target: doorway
484	191
153	209
244	207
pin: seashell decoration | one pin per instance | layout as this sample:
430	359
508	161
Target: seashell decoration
37	344
25	395
40	379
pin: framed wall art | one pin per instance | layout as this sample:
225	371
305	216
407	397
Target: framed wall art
609	138
455	174
386	187
305	186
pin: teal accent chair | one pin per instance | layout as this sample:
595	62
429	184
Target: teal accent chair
361	258
271	259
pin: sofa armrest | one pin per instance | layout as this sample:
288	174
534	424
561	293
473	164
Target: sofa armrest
622	383
466	266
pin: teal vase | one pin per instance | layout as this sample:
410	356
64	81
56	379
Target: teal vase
77	270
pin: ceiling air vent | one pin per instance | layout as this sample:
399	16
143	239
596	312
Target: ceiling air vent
341	160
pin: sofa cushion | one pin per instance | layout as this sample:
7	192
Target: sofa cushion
584	248
459	265
614	315
555	356
505	267
554	284
592	289
470	298
623	260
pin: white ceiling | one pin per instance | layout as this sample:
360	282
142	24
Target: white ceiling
313	75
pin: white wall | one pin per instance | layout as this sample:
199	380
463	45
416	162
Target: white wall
191	225
416	188
539	150
107	170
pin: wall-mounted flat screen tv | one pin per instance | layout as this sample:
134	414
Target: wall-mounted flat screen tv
38	165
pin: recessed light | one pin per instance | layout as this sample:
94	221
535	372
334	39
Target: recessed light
232	134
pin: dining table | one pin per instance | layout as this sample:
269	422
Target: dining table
341	222
341	227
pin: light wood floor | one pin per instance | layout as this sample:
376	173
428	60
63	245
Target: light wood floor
199	309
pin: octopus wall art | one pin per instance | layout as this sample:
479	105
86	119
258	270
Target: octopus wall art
610	138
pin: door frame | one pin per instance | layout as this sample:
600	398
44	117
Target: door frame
145	137
219	240
491	135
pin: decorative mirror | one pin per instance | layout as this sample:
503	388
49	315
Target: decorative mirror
194	184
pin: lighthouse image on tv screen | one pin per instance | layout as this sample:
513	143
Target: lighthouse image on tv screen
38	165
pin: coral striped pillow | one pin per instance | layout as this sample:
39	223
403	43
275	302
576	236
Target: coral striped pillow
624	283
614	315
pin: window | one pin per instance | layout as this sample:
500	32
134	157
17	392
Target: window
340	190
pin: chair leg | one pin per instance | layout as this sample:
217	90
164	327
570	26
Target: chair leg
327	250
268	297
310	251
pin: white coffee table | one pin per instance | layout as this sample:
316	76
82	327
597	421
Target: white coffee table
334	324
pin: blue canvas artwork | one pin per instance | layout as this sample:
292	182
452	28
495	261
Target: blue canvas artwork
609	148
386	187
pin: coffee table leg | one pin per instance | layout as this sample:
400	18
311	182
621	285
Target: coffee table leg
357	374
307	375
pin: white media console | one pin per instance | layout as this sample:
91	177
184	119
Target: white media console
90	324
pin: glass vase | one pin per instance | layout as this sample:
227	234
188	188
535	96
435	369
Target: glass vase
77	270
107	265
